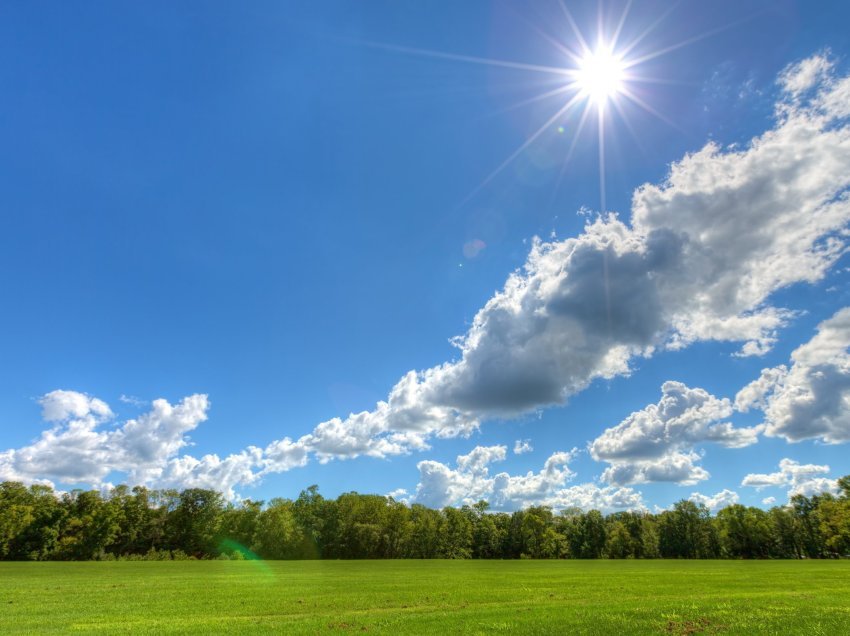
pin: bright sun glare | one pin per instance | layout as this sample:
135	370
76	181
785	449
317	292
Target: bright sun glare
600	76
588	81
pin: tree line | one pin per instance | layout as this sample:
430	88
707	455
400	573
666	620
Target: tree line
38	524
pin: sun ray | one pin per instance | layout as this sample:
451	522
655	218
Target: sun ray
576	98
652	111
600	114
625	119
569	155
581	124
471	59
538	98
600	28
648	79
674	47
648	30
559	46
585	49
619	29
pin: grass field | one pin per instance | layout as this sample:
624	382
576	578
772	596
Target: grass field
447	597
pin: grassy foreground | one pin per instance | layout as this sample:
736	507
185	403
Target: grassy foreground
448	597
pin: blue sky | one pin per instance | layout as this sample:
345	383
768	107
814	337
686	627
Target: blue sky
288	207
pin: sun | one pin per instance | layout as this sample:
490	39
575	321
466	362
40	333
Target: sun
600	75
601	83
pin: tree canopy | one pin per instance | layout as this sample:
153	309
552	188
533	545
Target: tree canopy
38	524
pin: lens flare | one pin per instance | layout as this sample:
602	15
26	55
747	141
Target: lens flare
258	565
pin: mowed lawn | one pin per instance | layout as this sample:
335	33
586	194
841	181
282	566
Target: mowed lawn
415	597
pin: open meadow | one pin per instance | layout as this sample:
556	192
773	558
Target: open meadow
414	597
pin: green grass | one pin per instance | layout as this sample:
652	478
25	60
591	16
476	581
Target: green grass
415	597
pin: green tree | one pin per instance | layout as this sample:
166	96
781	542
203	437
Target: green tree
745	532
584	533
786	542
834	525
424	541
276	532
455	535
539	538
807	526
38	540
487	536
238	525
649	541
313	512
593	535
686	531
91	525
397	530
16	515
36	524
358	527
194	524
618	544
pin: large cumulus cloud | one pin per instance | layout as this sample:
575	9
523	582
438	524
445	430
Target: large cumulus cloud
811	399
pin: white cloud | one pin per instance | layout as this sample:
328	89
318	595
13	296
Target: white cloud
522	446
591	496
140	445
716	501
521	491
754	395
476	462
398	426
766	480
811	400
470	481
8	471
815	486
800	479
77	449
145	449
798	78
60	405
657	442
769	501
212	472
284	454
676	467
400	494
